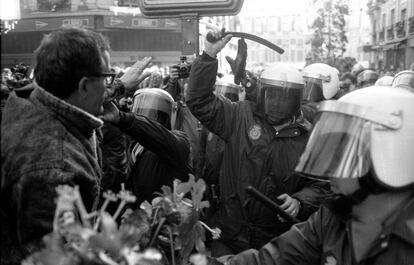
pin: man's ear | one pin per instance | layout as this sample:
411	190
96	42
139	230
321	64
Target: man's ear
82	87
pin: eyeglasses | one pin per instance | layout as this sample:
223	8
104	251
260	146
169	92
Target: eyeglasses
109	77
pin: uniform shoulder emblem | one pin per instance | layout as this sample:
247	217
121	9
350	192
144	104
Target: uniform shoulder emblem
255	132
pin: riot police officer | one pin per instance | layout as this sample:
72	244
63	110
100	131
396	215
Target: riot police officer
404	79
263	142
321	83
158	155
367	78
363	144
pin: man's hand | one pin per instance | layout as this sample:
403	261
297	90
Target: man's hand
174	73
289	205
212	49
135	75
111	113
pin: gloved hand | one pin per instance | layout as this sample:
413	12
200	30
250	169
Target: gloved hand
213	48
238	66
135	75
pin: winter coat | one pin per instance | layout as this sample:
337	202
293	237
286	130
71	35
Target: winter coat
114	159
255	154
45	142
325	239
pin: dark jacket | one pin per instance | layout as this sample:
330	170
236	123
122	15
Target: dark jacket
114	159
325	239
255	154
165	156
45	142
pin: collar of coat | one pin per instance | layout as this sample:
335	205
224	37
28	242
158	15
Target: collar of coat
82	120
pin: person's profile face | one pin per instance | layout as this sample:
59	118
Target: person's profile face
97	93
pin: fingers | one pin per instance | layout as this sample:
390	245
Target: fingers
291	209
283	197
142	64
241	43
227	38
143	76
287	201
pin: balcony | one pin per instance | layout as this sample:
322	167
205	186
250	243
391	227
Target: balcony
390	33
411	25
400	29
381	35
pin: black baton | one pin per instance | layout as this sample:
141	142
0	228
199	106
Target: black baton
271	204
248	36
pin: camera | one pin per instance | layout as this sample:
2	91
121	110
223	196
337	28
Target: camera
183	67
20	71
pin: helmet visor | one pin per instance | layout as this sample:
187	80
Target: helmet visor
281	103
338	147
154	107
404	80
313	90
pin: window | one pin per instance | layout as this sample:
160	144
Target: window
383	21
279	24
403	14
292	56
257	25
299	56
300	42
133	3
392	17
293	41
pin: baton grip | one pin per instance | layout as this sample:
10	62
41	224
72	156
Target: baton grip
213	39
271	204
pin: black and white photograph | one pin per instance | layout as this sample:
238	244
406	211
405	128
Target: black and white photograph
207	132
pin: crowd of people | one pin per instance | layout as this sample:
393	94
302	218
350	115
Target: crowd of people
332	149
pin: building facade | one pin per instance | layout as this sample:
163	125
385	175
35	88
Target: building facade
285	30
131	36
359	32
392	34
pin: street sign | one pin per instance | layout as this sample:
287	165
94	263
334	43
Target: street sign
48	24
178	8
131	22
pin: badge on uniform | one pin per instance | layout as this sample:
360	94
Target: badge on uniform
255	132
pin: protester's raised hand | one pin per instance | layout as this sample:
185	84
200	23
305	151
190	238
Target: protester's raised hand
213	48
135	75
174	73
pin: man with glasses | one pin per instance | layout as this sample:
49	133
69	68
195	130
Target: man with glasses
49	136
